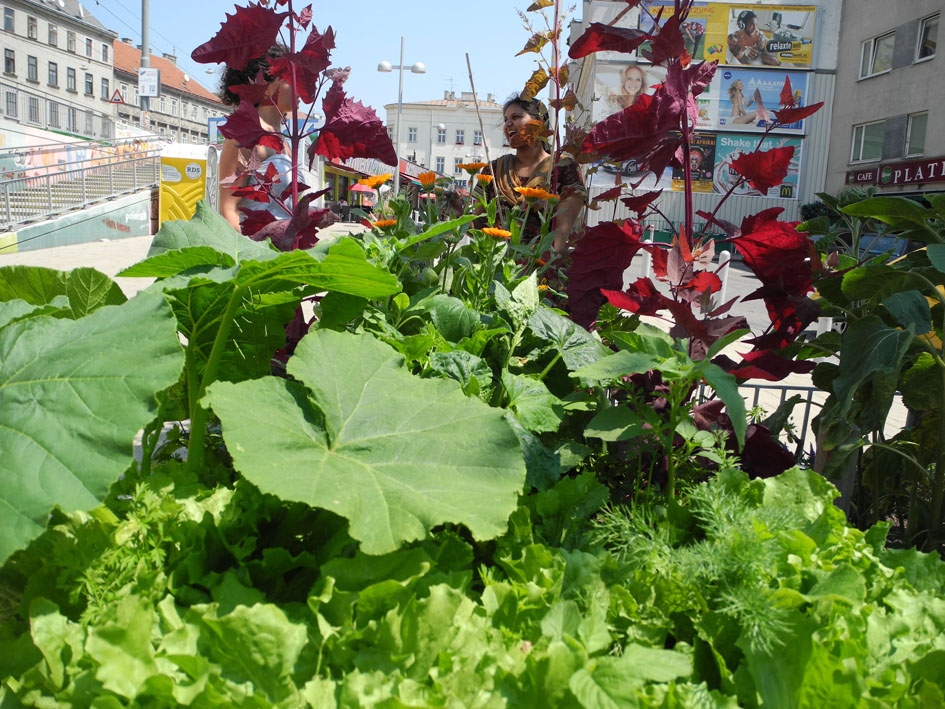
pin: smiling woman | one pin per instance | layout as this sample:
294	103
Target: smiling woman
532	166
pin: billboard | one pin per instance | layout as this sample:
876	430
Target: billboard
736	100
616	85
729	146
701	164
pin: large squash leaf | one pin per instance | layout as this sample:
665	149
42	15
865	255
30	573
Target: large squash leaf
394	454
73	394
86	289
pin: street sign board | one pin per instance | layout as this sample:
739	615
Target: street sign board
149	82
117	97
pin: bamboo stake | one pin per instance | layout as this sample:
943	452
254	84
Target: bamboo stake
485	143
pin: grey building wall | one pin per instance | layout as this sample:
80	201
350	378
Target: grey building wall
909	87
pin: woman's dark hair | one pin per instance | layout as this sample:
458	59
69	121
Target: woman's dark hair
247	75
533	107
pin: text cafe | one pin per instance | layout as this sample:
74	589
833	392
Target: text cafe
911	172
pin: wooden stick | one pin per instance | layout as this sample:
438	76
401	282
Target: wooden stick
485	143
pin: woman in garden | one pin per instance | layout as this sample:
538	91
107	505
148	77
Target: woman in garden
632	86
235	159
739	103
530	168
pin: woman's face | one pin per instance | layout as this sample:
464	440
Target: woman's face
515	119
737	84
633	81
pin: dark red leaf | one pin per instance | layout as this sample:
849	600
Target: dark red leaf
245	35
704	281
608	196
667	153
351	130
627	134
600	37
254	93
764	169
787	94
699	76
776	252
668	44
299	231
254	220
659	253
639	203
305	17
598	261
792	115
309	63
729	228
641	297
765	364
755	222
244	127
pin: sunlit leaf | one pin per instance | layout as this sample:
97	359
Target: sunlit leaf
538	81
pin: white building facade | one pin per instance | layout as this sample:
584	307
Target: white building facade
57	68
445	133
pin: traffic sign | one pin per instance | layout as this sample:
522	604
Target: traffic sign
116	97
149	82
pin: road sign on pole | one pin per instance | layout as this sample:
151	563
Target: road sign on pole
117	97
149	82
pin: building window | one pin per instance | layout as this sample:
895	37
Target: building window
89	84
32	27
876	55
441	165
193	112
928	37
32	69
163	105
54	35
70	79
33	109
915	133
9	61
868	141
8	19
11	104
105	53
441	136
54	114
53	74
390	133
70	41
411	135
477	137
457	170
105	94
72	122
173	106
460	136
88	46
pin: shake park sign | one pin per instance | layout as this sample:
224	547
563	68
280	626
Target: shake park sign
911	172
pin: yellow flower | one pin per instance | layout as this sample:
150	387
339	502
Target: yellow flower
471	167
384	223
497	233
533	193
375	181
484	179
542	287
427	179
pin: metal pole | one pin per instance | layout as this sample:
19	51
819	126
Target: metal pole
400	107
145	54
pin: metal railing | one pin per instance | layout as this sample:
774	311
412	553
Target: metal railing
34	198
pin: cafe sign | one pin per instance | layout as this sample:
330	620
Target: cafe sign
866	176
912	172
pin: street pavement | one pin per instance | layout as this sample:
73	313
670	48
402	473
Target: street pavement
112	256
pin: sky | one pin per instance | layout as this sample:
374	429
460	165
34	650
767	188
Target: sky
437	33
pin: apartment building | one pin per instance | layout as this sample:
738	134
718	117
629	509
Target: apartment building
57	68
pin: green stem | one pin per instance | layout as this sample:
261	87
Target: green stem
551	364
198	416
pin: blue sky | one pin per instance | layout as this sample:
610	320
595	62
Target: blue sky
438	33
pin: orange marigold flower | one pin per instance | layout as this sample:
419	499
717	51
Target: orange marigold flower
471	167
540	262
374	181
427	179
497	233
542	287
533	193
484	179
383	223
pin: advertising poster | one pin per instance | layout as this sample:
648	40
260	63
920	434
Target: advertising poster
744	35
606	13
616	86
701	162
737	109
762	35
729	146
627	173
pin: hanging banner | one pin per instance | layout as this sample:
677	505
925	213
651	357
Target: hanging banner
729	147
743	35
701	164
737	104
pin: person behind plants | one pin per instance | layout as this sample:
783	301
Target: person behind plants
530	166
632	86
739	102
747	43
234	158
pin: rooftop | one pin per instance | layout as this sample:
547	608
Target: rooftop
451	100
128	60
73	9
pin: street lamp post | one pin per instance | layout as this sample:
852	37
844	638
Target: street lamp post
417	68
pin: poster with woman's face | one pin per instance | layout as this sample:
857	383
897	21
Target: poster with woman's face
617	86
741	89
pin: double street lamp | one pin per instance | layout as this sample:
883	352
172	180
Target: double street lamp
417	68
